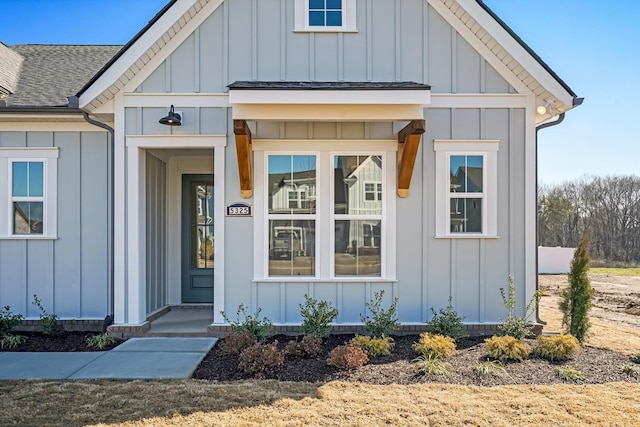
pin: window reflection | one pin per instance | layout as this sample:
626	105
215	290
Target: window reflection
292	184
292	247
27	217
358	185
357	248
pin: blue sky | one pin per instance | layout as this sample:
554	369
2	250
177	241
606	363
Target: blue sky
593	45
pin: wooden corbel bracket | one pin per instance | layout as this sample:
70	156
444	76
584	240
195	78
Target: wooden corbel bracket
408	143
243	150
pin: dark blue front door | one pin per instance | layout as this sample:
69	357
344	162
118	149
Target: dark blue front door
197	239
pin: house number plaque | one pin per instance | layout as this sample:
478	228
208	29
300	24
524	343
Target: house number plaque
239	209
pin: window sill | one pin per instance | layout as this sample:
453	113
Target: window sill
465	236
316	280
324	30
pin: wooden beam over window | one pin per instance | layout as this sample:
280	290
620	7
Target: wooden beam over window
243	150
408	143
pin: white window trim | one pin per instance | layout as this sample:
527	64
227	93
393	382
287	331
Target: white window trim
49	158
324	216
488	149
348	18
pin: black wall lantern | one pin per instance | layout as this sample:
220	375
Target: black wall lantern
172	119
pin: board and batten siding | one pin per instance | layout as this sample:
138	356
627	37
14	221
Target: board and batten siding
396	40
70	274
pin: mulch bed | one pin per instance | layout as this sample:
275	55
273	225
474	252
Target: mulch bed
61	342
599	366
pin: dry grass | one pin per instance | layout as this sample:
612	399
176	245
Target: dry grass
260	403
635	271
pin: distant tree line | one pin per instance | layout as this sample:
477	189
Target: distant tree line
608	208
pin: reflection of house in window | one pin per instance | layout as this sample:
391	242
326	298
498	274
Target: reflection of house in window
466	210
292	192
371	234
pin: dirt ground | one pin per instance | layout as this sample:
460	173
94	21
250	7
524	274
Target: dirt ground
615	315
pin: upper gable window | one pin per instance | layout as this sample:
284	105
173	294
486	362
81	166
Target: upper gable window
325	15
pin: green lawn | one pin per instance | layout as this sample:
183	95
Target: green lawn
617	271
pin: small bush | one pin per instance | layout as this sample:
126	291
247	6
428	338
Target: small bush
317	317
504	348
261	359
258	328
8	321
514	326
236	342
628	370
11	341
570	374
635	358
308	346
447	323
347	357
435	346
561	347
491	369
433	366
100	341
381	323
48	322
374	347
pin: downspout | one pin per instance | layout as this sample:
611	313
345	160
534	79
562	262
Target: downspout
109	318
538	128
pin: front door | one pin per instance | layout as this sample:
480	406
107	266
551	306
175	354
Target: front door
197	239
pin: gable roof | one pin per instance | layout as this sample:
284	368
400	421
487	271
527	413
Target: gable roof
11	63
48	74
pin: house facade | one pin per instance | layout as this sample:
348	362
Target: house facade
332	148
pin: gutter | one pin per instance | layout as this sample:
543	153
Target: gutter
109	318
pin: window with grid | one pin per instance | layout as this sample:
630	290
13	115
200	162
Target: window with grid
325	13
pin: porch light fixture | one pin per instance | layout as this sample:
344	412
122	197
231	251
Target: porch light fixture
544	109
171	119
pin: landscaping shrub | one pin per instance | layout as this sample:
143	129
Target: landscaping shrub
347	357
236	342
261	359
381	323
491	369
635	358
317	317
576	298
258	328
447	323
560	347
48	322
308	346
504	348
518	327
433	366
100	341
8	321
374	347
435	346
570	374
11	341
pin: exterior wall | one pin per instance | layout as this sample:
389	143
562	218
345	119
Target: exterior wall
396	40
156	232
70	274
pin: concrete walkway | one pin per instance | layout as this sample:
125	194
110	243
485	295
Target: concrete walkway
136	358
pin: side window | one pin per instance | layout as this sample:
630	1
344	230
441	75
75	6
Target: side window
28	193
325	15
27	197
466	188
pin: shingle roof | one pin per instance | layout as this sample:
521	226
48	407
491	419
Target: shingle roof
11	62
51	73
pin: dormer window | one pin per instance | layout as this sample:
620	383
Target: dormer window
325	15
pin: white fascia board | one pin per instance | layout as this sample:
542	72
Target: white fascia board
200	100
515	49
360	97
146	41
176	141
327	112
